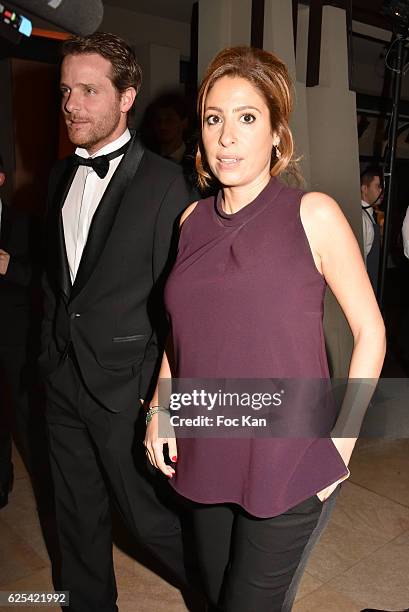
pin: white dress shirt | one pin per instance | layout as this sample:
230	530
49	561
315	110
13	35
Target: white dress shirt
367	228
82	201
405	233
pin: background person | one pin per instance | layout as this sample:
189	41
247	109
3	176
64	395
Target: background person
170	124
167	130
15	278
371	196
404	327
252	265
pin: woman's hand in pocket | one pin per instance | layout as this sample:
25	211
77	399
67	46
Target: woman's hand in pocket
344	446
325	493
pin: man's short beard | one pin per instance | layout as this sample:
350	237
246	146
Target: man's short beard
98	133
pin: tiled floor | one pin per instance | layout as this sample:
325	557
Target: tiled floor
361	561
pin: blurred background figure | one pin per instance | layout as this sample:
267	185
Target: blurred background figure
167	129
403	341
371	197
170	126
15	278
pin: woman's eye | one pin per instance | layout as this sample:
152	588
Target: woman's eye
247	118
212	119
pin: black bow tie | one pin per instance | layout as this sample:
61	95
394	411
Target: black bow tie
99	164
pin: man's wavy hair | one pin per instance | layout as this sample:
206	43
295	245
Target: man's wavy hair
126	71
270	76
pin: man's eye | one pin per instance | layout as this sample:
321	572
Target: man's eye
247	118
64	91
212	119
90	90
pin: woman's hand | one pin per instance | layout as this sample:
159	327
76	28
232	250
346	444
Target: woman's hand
325	493
345	447
154	444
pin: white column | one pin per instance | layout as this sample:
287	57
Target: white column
325	132
279	39
334	155
222	23
278	31
332	122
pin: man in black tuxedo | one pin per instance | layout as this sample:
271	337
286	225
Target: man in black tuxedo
15	276
112	212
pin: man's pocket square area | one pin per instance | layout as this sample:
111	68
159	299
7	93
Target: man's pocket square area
129	338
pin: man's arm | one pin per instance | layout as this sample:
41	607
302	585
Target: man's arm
176	199
49	300
15	267
49	305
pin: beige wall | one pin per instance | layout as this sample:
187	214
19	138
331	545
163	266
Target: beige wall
325	133
141	29
159	45
161	71
278	38
222	23
334	159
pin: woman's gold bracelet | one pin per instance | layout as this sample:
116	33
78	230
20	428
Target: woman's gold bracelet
154	410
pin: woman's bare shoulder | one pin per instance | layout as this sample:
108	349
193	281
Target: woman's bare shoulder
319	206
188	211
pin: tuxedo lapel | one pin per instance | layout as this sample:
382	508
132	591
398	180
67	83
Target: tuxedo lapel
105	214
64	184
65	278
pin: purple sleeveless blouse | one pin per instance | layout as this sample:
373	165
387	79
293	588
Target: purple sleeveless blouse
245	300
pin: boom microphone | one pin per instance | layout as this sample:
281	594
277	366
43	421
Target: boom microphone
81	17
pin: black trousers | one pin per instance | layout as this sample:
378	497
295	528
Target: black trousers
250	564
91	452
14	388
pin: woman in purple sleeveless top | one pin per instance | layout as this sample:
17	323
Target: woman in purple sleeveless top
245	301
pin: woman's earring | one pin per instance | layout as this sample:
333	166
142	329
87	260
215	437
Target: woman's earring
277	152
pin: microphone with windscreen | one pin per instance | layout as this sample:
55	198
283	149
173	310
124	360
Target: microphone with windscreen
81	17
